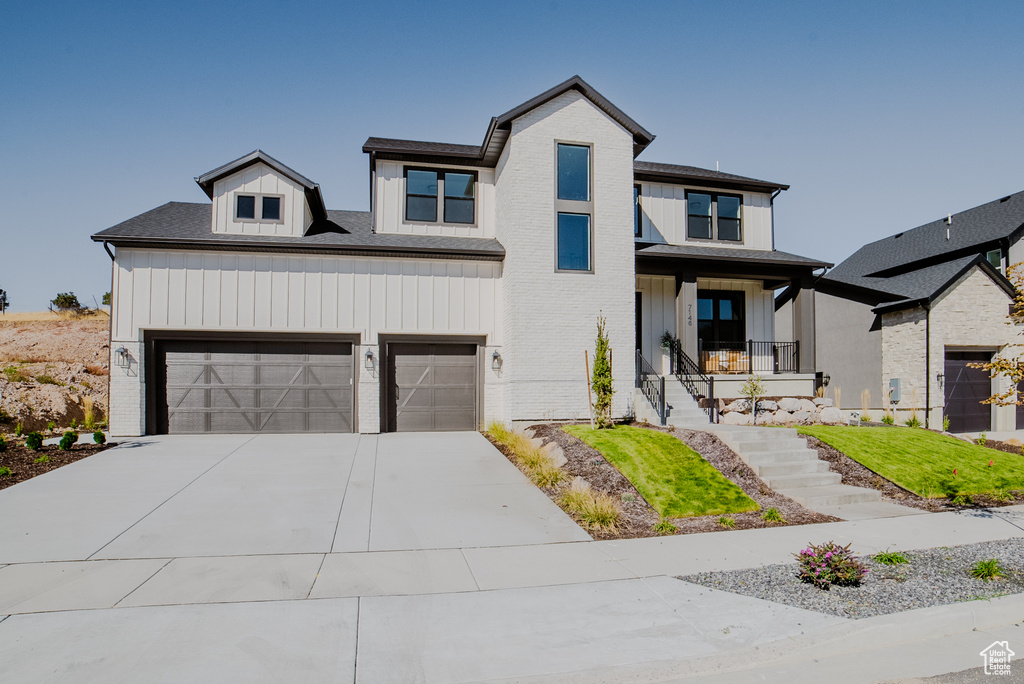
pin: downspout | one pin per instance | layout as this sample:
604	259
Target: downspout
927	363
110	327
771	204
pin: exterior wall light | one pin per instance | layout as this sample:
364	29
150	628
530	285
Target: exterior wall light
496	361
121	358
826	379
939	377
369	359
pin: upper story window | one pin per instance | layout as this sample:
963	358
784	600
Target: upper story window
269	208
574	208
995	257
426	188
713	216
637	215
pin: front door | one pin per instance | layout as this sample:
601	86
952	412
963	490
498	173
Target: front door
965	389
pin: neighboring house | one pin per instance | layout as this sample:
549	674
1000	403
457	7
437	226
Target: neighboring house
910	313
468	293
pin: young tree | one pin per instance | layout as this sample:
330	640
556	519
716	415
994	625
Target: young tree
106	299
66	301
4	303
602	379
753	389
1009	362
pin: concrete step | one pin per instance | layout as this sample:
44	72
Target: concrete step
763	458
729	432
689	424
761	444
786	482
791	468
832	495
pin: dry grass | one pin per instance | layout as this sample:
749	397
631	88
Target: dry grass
27	316
536	462
94	369
595	510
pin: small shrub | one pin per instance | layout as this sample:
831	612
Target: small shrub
961	500
99	437
19	429
890	558
987	570
772	515
1002	495
89	422
14	374
829	563
68	440
594	509
44	379
865	419
34	441
5	417
663	526
51	426
74	423
888	419
727	521
3	444
912	422
42	458
945	423
982	438
5	471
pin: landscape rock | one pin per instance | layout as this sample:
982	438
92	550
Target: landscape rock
808	405
738	406
767	405
803	417
736	418
782	417
1013	441
821	401
790	404
830	415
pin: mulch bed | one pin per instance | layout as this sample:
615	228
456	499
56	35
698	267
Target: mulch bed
1014	449
853	473
21	460
638	517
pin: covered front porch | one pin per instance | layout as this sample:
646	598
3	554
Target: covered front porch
713	309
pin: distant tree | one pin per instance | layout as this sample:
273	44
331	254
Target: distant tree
66	301
106	299
1009	362
4	303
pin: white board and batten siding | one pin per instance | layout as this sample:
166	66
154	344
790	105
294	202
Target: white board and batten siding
658	314
260	179
389	203
663	217
296	293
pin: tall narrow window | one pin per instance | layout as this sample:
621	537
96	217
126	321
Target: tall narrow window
574	208
637	216
995	257
729	218
698	220
458	197
421	195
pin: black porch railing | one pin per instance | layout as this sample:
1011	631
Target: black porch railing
651	385
748	357
699	385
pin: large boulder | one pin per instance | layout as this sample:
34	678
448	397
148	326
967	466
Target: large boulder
736	418
821	401
738	406
804	417
808	405
767	405
789	404
830	415
782	417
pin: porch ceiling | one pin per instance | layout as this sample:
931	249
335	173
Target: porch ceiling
775	268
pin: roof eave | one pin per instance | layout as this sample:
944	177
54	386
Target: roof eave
693	179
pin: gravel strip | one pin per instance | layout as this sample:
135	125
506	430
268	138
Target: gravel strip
934	577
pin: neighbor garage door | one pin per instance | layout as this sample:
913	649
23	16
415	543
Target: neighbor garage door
432	387
209	386
965	389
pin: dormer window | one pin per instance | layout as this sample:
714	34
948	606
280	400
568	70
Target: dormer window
425	189
270	208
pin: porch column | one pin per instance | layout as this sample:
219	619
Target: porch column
803	323
686	312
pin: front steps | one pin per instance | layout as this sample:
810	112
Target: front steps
784	461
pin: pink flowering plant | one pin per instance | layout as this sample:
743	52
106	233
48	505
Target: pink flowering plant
826	564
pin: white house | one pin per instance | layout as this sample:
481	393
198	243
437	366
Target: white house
469	292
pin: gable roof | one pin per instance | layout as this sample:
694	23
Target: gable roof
917	265
487	153
653	171
186	225
312	190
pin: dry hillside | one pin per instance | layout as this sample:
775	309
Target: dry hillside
51	369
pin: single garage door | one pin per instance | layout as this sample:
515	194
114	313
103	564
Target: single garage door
966	388
432	387
209	386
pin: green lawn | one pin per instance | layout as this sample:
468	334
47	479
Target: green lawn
674	479
923	461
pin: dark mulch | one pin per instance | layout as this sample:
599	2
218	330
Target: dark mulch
638	517
1014	449
853	473
21	460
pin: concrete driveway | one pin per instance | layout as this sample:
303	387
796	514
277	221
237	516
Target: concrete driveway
224	495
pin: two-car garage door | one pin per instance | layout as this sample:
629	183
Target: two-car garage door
219	385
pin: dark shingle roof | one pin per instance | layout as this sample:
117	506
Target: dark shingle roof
654	171
420	147
187	225
730	254
918	264
311	189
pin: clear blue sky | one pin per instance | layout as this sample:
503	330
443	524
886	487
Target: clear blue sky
881	116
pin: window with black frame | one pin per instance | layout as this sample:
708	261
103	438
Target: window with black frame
420	195
714	216
454	191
